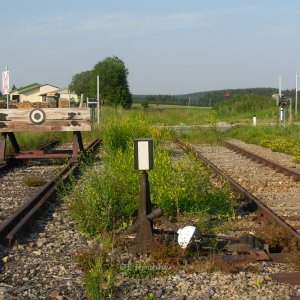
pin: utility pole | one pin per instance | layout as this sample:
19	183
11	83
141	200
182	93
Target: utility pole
279	83
296	99
281	106
7	94
98	101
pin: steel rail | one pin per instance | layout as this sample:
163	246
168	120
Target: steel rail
10	228
236	187
262	160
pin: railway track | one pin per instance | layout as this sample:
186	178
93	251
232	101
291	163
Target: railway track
20	201
273	188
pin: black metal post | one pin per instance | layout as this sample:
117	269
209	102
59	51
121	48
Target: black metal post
3	147
144	237
14	142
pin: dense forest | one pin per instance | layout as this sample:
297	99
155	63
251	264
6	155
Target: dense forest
208	98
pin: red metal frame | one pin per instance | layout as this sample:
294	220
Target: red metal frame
77	147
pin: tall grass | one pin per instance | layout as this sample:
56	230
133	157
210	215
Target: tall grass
166	114
110	195
277	138
242	108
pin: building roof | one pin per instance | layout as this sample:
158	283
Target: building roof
27	88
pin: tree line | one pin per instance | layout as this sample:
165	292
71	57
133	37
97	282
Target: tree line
208	98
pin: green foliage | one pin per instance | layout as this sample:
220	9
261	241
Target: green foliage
277	138
184	186
110	195
145	104
113	81
114	88
118	132
34	181
244	107
99	270
208	98
82	83
178	115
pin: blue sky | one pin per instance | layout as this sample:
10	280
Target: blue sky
168	46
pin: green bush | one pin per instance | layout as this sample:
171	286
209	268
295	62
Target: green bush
184	186
110	194
243	107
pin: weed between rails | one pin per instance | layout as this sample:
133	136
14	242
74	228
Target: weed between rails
107	201
275	236
34	181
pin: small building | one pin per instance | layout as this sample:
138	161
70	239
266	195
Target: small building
37	92
32	92
64	93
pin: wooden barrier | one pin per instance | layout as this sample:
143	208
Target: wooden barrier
43	119
46	119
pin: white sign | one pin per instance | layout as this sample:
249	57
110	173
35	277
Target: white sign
143	158
5	82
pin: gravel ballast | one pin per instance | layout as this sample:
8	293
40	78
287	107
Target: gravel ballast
43	266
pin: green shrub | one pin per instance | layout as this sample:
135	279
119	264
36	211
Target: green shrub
184	186
145	104
277	138
243	107
110	196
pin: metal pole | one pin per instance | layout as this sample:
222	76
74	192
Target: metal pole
98	101
279	79
144	237
281	105
296	101
291	111
7	104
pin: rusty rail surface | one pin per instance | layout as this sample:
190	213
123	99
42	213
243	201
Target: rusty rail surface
14	224
236	187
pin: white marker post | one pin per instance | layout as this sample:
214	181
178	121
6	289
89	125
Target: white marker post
254	120
5	84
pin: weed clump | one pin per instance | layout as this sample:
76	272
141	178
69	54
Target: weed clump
34	181
276	237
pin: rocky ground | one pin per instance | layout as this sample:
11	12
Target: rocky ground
43	266
202	285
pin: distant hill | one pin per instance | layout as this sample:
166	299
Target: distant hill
208	98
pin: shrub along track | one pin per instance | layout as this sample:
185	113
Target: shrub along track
272	187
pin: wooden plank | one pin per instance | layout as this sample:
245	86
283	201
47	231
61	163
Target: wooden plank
55	119
51	114
48	125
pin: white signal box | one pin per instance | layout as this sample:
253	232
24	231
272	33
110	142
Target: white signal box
143	154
